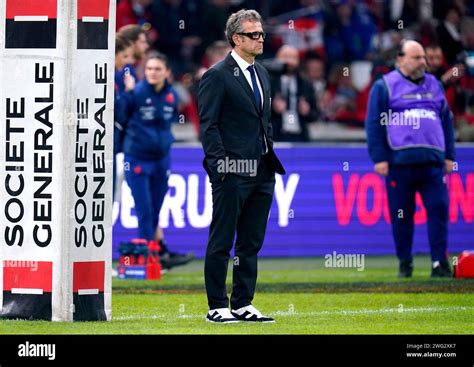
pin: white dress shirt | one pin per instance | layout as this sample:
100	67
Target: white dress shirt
243	65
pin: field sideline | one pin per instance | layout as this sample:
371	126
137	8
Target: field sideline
303	296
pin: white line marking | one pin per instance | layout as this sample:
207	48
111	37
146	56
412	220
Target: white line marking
93	19
315	313
82	292
27	291
31	18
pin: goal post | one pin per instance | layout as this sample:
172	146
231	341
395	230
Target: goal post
56	157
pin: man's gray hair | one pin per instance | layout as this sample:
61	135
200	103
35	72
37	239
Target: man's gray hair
234	23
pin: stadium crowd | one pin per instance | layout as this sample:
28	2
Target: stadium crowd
323	55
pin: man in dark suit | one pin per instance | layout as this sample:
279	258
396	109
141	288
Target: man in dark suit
236	134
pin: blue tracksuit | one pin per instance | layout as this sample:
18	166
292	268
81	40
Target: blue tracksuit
413	167
120	116
119	107
119	113
146	146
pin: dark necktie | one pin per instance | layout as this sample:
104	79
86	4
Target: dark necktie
256	91
258	99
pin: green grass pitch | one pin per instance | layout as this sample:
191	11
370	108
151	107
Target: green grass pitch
302	295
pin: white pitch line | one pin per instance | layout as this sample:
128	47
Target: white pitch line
30	18
376	311
27	291
315	313
92	19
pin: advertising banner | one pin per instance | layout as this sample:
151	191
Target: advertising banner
329	200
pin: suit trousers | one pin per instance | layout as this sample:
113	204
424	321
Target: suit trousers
241	206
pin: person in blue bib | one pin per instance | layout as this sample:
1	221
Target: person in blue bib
151	109
410	138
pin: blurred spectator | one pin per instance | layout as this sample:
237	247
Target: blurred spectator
465	121
377	11
214	20
302	28
137	36
387	48
188	104
132	12
179	30
348	33
450	78
326	33
293	100
434	58
404	13
214	53
123	56
316	74
339	100
449	36
277	7
440	7
468	61
193	47
187	107
169	24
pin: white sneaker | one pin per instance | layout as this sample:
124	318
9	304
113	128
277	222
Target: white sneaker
221	315
251	314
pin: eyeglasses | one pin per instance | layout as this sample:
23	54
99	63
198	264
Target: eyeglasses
253	35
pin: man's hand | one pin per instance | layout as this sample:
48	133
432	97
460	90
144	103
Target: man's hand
449	164
381	168
453	74
279	104
304	108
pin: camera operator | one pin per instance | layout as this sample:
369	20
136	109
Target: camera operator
293	99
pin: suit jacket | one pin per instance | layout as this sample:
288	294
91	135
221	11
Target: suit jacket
231	122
